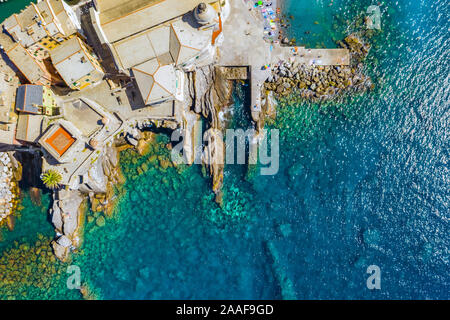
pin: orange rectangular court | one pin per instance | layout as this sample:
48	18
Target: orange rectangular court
60	141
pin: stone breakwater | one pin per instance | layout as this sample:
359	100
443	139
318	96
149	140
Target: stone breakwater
9	189
314	82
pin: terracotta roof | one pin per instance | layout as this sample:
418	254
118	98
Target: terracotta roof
60	140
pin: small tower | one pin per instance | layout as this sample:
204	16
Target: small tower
105	121
205	14
93	143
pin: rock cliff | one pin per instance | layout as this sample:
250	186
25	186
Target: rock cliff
69	206
67	216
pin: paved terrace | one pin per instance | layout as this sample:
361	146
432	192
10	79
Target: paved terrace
244	46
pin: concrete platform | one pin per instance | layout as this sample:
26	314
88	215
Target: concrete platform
318	57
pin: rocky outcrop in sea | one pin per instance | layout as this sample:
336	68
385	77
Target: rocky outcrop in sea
67	218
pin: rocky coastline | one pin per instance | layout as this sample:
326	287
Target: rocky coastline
209	98
210	90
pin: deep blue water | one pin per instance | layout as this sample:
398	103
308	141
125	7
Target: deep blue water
361	182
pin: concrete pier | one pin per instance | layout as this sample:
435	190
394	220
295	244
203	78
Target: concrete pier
244	45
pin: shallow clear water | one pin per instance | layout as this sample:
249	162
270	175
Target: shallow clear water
361	182
31	221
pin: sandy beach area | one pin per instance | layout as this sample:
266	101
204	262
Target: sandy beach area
270	12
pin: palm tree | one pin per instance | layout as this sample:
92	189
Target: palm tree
51	179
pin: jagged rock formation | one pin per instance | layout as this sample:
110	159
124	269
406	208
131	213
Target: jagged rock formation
112	175
210	92
357	47
213	157
68	211
68	218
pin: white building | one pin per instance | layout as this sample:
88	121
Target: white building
151	39
158	83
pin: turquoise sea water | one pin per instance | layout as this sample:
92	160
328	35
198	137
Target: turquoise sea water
364	181
12	6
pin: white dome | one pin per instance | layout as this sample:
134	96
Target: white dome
205	14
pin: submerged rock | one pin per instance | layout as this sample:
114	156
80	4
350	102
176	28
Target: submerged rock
286	285
100	221
286	229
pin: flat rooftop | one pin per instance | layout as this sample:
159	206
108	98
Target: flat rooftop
87	120
29	127
71	60
27	65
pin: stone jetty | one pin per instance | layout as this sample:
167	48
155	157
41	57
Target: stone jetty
322	81
9	189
